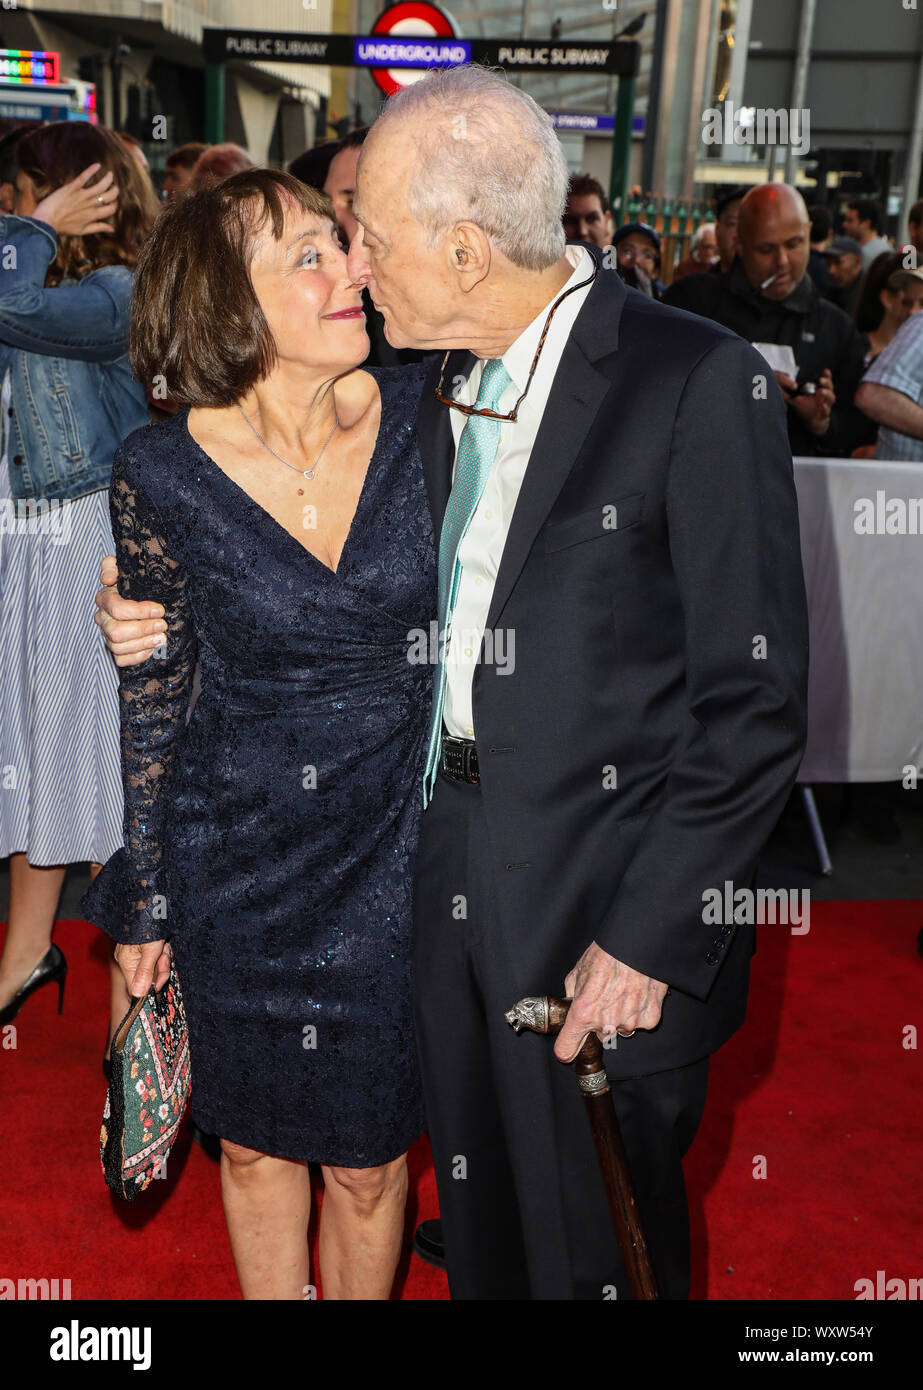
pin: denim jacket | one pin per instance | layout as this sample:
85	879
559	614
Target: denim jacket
74	398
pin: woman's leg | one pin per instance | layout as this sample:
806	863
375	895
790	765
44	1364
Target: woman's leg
267	1203
119	998
361	1229
34	895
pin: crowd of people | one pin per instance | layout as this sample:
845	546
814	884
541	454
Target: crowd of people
772	269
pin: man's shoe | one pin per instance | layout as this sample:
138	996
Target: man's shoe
427	1241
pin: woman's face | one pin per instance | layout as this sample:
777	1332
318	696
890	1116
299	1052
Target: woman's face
910	299
313	308
900	304
26	201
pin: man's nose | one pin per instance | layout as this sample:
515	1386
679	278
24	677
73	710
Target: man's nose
357	261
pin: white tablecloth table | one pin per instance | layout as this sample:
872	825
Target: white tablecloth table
865	604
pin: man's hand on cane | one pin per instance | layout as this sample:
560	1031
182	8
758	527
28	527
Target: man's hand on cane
608	998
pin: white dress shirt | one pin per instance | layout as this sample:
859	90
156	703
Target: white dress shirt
483	543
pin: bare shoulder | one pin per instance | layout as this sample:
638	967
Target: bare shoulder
358	399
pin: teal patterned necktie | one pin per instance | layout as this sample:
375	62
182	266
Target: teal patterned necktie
477	450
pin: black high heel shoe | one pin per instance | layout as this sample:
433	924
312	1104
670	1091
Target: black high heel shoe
52	966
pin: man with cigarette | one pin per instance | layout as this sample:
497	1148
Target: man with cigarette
767	297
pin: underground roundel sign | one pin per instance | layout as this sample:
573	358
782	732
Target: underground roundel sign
412	19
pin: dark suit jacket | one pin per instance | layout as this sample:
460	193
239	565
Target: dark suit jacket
637	648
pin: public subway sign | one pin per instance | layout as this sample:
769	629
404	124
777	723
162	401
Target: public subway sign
406	51
410	53
405	34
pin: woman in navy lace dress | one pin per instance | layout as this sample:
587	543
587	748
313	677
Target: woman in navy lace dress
280	519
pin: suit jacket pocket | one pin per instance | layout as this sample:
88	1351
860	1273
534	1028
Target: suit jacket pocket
598	523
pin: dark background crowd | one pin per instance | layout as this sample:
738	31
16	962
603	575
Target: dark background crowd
846	294
841	298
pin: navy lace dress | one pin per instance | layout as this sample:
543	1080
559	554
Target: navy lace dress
272	837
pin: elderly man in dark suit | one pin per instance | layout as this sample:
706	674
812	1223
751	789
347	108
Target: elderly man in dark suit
619	708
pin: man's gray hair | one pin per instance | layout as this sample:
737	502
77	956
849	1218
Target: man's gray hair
488	155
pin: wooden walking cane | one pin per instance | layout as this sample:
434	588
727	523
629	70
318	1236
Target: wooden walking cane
547	1015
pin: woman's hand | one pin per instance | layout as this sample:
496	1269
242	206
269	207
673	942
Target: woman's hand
143	964
75	210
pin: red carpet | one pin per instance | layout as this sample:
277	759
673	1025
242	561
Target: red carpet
818	1083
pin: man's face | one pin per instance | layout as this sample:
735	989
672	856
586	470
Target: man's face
707	248
176	180
409	281
637	249
584	220
851	224
340	184
726	233
776	242
844	270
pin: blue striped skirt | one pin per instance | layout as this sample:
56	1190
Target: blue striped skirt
60	772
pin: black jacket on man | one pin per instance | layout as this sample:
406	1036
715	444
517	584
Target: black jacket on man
642	747
819	333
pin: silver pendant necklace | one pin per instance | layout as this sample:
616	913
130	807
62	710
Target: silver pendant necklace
305	472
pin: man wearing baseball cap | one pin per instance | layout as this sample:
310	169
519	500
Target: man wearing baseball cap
844	266
637	249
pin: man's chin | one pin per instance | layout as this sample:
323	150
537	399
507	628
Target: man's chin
398	337
393	335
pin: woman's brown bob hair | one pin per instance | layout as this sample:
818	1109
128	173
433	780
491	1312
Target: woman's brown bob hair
52	155
196	322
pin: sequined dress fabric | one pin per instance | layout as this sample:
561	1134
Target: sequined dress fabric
272	836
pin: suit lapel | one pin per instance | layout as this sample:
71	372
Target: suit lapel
575	398
576	395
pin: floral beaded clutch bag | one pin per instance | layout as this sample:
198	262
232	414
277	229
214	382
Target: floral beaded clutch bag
149	1086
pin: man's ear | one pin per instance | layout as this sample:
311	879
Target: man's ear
468	254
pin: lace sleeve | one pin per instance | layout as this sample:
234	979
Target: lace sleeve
154	699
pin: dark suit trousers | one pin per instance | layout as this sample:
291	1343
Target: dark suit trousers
521	1198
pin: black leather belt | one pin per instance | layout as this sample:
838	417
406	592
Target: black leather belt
459	759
